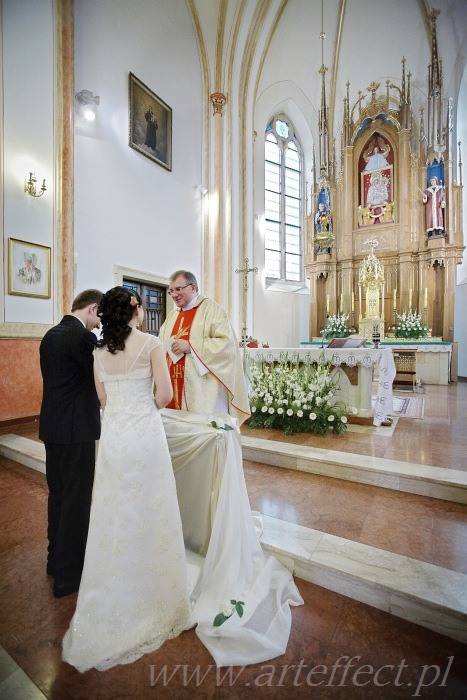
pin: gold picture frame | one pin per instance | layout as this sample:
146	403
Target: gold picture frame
29	269
150	124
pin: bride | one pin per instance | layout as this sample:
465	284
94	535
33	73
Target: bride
133	593
139	585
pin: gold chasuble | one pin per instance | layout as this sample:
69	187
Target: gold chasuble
213	342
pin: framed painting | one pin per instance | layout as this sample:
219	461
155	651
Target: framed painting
29	269
150	124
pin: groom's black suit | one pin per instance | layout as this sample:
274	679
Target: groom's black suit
69	427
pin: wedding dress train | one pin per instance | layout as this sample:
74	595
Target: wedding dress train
219	526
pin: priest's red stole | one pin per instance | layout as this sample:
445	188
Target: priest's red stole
180	331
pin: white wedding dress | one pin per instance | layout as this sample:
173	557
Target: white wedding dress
133	593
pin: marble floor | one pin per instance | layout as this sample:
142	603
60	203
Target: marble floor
439	439
423	528
327	631
389	657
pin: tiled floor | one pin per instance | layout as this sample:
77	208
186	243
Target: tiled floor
439	439
327	632
423	528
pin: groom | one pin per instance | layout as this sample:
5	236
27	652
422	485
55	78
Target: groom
69	427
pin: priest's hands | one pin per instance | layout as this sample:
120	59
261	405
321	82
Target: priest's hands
179	346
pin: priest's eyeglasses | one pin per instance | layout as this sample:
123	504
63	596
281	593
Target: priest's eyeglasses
178	289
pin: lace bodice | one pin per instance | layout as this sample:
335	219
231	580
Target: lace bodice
127	377
132	363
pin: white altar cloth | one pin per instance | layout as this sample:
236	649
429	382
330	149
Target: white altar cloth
218	524
366	359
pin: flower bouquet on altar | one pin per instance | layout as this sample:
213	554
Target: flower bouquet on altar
336	327
410	325
296	397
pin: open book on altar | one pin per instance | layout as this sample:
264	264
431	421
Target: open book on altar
347	343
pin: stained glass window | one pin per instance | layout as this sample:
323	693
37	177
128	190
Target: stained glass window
282	202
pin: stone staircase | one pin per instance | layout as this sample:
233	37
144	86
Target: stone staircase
428	595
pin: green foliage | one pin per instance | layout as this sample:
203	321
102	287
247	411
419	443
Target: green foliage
227	610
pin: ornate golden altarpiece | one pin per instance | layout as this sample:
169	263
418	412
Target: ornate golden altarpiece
389	160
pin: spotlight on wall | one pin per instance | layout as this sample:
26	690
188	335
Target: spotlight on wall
86	104
30	186
201	189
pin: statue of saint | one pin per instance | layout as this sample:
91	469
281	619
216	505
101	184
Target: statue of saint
435	204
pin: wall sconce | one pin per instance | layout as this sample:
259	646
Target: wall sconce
86	104
30	186
201	189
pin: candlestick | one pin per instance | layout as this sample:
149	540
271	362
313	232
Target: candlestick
342	302
360	301
425	301
394	305
410	298
327	303
353	302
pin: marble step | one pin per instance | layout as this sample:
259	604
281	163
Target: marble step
23	450
428	595
421	479
425	594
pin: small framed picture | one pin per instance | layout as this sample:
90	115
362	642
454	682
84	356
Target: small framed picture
150	124
29	269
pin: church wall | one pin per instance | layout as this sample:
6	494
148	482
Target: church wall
27	144
21	386
281	311
129	210
460	330
27	141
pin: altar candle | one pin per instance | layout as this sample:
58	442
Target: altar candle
394	299
360	300
382	301
425	301
353	301
410	298
327	303
342	302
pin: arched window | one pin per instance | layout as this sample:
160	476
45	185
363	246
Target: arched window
282	202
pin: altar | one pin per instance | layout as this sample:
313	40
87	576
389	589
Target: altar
356	368
432	359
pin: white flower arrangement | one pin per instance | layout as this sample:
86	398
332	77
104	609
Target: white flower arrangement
296	397
336	327
410	325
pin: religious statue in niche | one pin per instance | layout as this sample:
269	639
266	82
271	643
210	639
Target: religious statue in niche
323	223
433	199
376	172
375	157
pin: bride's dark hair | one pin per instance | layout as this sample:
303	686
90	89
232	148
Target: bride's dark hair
116	311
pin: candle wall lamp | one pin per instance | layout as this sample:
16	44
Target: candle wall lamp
30	186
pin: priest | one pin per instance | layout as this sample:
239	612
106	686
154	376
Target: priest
202	353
